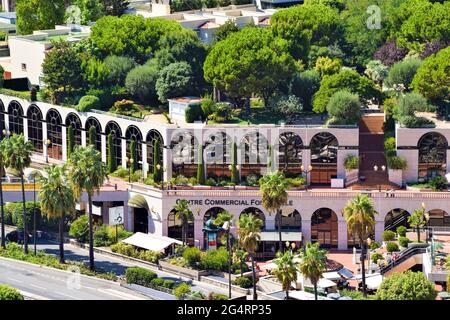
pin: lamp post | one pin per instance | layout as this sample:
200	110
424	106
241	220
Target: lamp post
47	143
306	172
227	227
383	169
164	169
129	164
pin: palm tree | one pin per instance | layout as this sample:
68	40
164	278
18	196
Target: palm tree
417	220
273	191
360	217
2	209
223	218
249	230
286	270
183	213
241	255
56	197
313	263
16	153
87	173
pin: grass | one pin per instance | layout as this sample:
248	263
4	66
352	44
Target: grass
420	185
15	251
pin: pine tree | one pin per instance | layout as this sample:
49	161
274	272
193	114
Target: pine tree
92	134
201	179
70	141
133	156
270	162
112	163
234	171
156	173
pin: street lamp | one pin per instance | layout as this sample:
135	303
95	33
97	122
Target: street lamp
306	172
6	133
164	169
383	169
129	164
227	226
47	143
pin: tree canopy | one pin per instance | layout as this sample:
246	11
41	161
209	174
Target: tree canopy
39	14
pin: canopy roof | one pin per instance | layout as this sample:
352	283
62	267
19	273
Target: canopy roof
150	241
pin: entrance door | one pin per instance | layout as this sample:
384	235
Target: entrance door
324	238
140	220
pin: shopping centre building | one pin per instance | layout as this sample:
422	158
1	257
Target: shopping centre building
313	213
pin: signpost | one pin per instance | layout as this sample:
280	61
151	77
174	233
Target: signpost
116	218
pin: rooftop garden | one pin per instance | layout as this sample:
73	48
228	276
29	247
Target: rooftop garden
265	75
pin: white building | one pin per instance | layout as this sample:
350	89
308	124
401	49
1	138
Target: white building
9	5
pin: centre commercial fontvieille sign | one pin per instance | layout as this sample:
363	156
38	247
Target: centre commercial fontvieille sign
227	202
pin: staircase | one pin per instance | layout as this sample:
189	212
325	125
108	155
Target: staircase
371	153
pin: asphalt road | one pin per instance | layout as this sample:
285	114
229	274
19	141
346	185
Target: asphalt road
49	284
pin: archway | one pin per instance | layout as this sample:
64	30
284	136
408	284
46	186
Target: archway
175	228
396	218
218	152
113	129
438	218
184	152
15	112
74	121
290	221
92	122
54	134
290	147
432	155
2	116
34	116
254	151
324	148
256	212
134	134
154	136
324	228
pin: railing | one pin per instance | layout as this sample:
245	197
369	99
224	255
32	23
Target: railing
116	115
403	256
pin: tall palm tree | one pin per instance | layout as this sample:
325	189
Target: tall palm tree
417	220
249	230
241	255
360	217
56	198
313	263
87	173
16	153
223	218
183	213
2	209
273	188
286	270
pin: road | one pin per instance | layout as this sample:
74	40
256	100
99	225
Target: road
50	284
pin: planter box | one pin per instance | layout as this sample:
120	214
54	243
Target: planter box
202	188
396	176
351	176
225	274
190	273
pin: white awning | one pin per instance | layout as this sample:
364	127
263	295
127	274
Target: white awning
333	275
373	281
285	236
303	295
325	283
150	241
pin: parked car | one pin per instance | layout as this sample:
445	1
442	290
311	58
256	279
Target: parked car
17	236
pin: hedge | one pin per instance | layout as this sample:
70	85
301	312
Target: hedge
8	293
194	113
388	235
243	282
140	276
392	247
403	241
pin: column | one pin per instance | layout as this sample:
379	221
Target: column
306	231
306	162
144	159
167	163
379	229
25	129
128	217
124	152
64	142
44	138
103	147
198	232
342	235
83	138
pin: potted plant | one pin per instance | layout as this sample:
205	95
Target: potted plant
396	165
351	164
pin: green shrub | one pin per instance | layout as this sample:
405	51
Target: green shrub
406	285
8	293
351	162
243	282
401	231
15	212
169	284
182	290
159	282
438	183
2	36
222	112
125	108
79	229
101	237
296	182
389	144
388	235
416	122
194	113
150	256
217	296
125	249
376	256
192	255
344	108
403	241
396	163
215	260
140	276
88	103
208	106
375	245
252	180
120	173
392	247
19	94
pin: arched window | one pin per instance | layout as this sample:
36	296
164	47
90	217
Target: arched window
175	228
324	228
74	121
134	134
254	148
438	218
116	134
290	221
2	116
324	148
54	134
15	112
34	116
396	218
218	153
432	155
154	136
92	122
290	147
256	212
184	152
